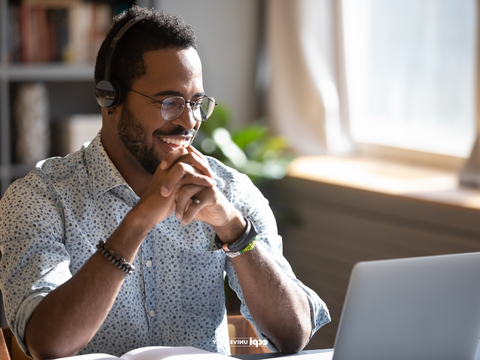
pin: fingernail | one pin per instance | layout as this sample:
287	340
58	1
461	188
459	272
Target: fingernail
164	191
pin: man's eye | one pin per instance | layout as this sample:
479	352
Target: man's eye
199	103
168	104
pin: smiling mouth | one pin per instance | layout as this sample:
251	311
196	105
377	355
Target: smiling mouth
174	141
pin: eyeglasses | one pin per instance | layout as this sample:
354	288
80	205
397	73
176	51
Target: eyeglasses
173	106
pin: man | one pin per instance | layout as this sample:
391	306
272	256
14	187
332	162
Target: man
140	195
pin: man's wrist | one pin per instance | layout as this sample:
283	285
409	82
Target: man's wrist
233	230
140	218
129	235
244	243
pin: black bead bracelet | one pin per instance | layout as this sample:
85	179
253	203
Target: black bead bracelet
119	262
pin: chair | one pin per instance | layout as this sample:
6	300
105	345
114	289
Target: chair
240	328
9	349
5	349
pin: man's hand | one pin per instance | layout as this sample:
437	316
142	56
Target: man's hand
159	199
194	201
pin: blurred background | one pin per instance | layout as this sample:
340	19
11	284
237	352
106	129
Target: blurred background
356	118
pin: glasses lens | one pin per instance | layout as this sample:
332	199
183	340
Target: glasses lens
204	108
172	107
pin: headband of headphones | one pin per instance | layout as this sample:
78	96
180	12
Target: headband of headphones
108	93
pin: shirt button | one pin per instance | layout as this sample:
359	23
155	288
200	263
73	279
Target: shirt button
152	313
148	263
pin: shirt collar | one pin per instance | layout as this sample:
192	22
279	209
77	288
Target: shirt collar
102	173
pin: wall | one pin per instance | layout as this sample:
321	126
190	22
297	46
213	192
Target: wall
228	38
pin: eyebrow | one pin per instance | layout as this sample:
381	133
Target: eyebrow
176	93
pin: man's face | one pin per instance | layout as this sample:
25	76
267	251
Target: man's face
141	128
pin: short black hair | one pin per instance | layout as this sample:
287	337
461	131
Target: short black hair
157	30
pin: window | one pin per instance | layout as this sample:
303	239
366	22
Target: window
411	69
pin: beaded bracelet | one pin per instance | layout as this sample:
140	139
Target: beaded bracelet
119	262
249	246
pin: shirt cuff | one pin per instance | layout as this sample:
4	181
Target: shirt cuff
23	315
319	314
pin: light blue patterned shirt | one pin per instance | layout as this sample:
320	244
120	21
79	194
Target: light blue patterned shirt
52	219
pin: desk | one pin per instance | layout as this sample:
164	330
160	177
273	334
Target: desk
282	355
309	354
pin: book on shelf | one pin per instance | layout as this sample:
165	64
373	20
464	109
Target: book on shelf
76	130
31	116
69	31
156	353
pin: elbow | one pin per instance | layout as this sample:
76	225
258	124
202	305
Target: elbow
295	340
51	342
47	351
43	346
292	345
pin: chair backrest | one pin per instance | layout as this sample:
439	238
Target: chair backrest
5	350
240	328
9	349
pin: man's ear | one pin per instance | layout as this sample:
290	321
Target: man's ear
111	111
108	114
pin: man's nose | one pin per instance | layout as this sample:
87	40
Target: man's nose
186	119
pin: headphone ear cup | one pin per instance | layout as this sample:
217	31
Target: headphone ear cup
108	93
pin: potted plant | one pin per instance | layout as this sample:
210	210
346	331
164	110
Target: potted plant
251	149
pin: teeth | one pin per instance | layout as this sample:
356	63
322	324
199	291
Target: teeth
179	142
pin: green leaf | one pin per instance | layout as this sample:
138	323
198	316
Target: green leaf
250	133
276	143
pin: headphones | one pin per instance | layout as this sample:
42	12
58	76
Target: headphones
108	92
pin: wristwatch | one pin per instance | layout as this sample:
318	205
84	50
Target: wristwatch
235	248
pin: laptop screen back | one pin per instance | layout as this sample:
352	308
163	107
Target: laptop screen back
414	308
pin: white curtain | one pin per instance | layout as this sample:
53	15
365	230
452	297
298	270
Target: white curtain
469	175
307	94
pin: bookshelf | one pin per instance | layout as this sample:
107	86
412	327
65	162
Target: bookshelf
69	82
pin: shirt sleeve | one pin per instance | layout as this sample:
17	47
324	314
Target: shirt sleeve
248	199
33	258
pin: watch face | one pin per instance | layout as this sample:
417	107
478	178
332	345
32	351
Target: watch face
232	254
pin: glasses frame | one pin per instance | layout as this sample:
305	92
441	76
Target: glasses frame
189	102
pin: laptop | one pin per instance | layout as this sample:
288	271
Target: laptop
413	308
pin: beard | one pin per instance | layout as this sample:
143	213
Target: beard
134	136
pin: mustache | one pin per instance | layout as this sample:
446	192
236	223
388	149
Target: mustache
176	132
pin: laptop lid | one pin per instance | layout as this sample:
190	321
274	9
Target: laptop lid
413	308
